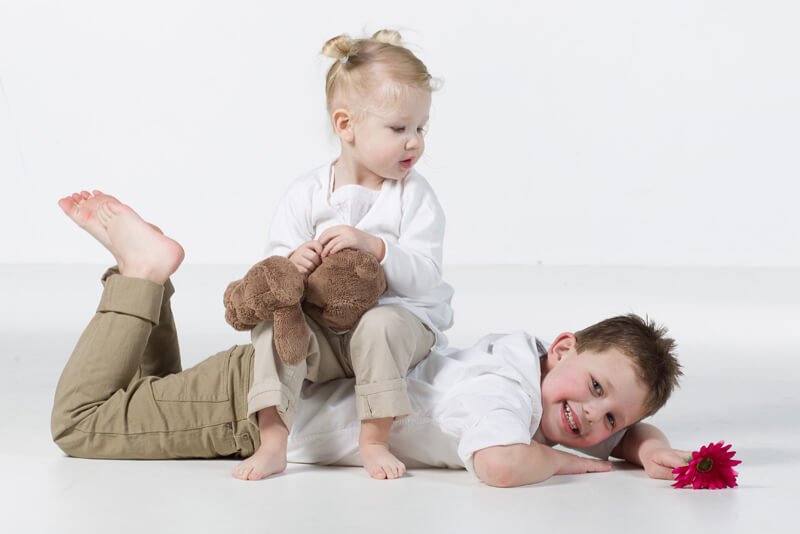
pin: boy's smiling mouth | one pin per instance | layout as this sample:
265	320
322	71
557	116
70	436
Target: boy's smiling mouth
570	419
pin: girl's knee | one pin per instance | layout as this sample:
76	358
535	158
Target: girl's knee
386	318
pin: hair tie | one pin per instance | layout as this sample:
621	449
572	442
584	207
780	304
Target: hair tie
344	59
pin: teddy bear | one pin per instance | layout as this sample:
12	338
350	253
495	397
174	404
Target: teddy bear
336	294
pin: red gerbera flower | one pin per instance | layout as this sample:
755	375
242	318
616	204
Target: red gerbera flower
709	468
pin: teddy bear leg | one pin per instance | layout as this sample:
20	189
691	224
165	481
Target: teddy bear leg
291	335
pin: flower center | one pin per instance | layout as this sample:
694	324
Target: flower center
705	465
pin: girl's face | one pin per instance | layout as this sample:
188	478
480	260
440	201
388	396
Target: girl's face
388	139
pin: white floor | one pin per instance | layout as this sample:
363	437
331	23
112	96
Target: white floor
739	336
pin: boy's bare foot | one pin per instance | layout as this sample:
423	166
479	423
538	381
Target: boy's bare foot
82	208
379	462
265	462
140	249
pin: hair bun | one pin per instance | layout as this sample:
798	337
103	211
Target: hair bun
391	37
338	47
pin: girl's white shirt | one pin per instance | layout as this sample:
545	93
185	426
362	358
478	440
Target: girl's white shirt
404	214
462	401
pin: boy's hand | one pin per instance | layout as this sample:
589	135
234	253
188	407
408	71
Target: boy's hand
659	462
341	237
571	464
307	257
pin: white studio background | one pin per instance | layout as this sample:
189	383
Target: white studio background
578	132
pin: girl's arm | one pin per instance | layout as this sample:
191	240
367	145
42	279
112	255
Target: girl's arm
291	224
413	265
519	465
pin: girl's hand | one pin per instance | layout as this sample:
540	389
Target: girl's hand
341	237
659	463
307	257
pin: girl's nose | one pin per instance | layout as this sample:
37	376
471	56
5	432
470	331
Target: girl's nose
413	141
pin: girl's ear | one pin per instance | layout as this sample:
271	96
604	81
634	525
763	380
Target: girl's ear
343	125
563	345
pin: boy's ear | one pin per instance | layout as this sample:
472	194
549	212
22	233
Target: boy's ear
563	344
343	124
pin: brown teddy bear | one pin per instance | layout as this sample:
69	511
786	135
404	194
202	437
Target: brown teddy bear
336	294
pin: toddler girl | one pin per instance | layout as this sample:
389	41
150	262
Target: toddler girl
371	199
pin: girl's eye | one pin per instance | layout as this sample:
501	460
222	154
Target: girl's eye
612	421
422	131
398	129
597	387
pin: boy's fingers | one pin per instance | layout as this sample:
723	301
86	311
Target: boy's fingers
601	466
674	458
660	471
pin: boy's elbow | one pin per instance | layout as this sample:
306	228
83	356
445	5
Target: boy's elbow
495	468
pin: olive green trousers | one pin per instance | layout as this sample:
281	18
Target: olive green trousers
123	394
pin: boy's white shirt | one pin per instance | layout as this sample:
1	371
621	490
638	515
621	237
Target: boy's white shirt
405	214
462	400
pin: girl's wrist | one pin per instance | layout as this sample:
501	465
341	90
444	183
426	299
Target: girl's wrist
378	248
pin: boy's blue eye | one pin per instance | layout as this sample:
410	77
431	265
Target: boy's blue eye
611	419
597	387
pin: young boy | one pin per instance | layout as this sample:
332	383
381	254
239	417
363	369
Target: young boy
123	395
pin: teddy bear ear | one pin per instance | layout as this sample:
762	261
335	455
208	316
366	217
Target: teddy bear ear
233	300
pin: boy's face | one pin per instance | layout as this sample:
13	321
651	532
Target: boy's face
588	397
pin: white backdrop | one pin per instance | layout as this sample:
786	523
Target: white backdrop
579	132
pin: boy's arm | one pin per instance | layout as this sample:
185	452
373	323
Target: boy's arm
518	465
646	446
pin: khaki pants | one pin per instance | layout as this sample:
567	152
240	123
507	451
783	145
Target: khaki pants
385	343
123	395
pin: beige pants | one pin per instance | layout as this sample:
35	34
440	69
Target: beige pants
385	343
123	395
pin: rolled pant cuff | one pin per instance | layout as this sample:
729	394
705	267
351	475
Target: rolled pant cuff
267	394
132	296
169	289
382	399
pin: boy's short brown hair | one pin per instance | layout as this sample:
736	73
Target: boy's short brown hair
646	344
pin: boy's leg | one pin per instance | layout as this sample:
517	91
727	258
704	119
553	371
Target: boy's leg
385	344
162	355
273	396
101	411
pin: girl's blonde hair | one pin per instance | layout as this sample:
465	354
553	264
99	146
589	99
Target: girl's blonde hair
363	64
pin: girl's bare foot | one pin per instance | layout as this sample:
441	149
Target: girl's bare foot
265	462
140	249
270	458
82	208
380	463
373	443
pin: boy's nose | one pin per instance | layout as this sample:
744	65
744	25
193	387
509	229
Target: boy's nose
589	415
